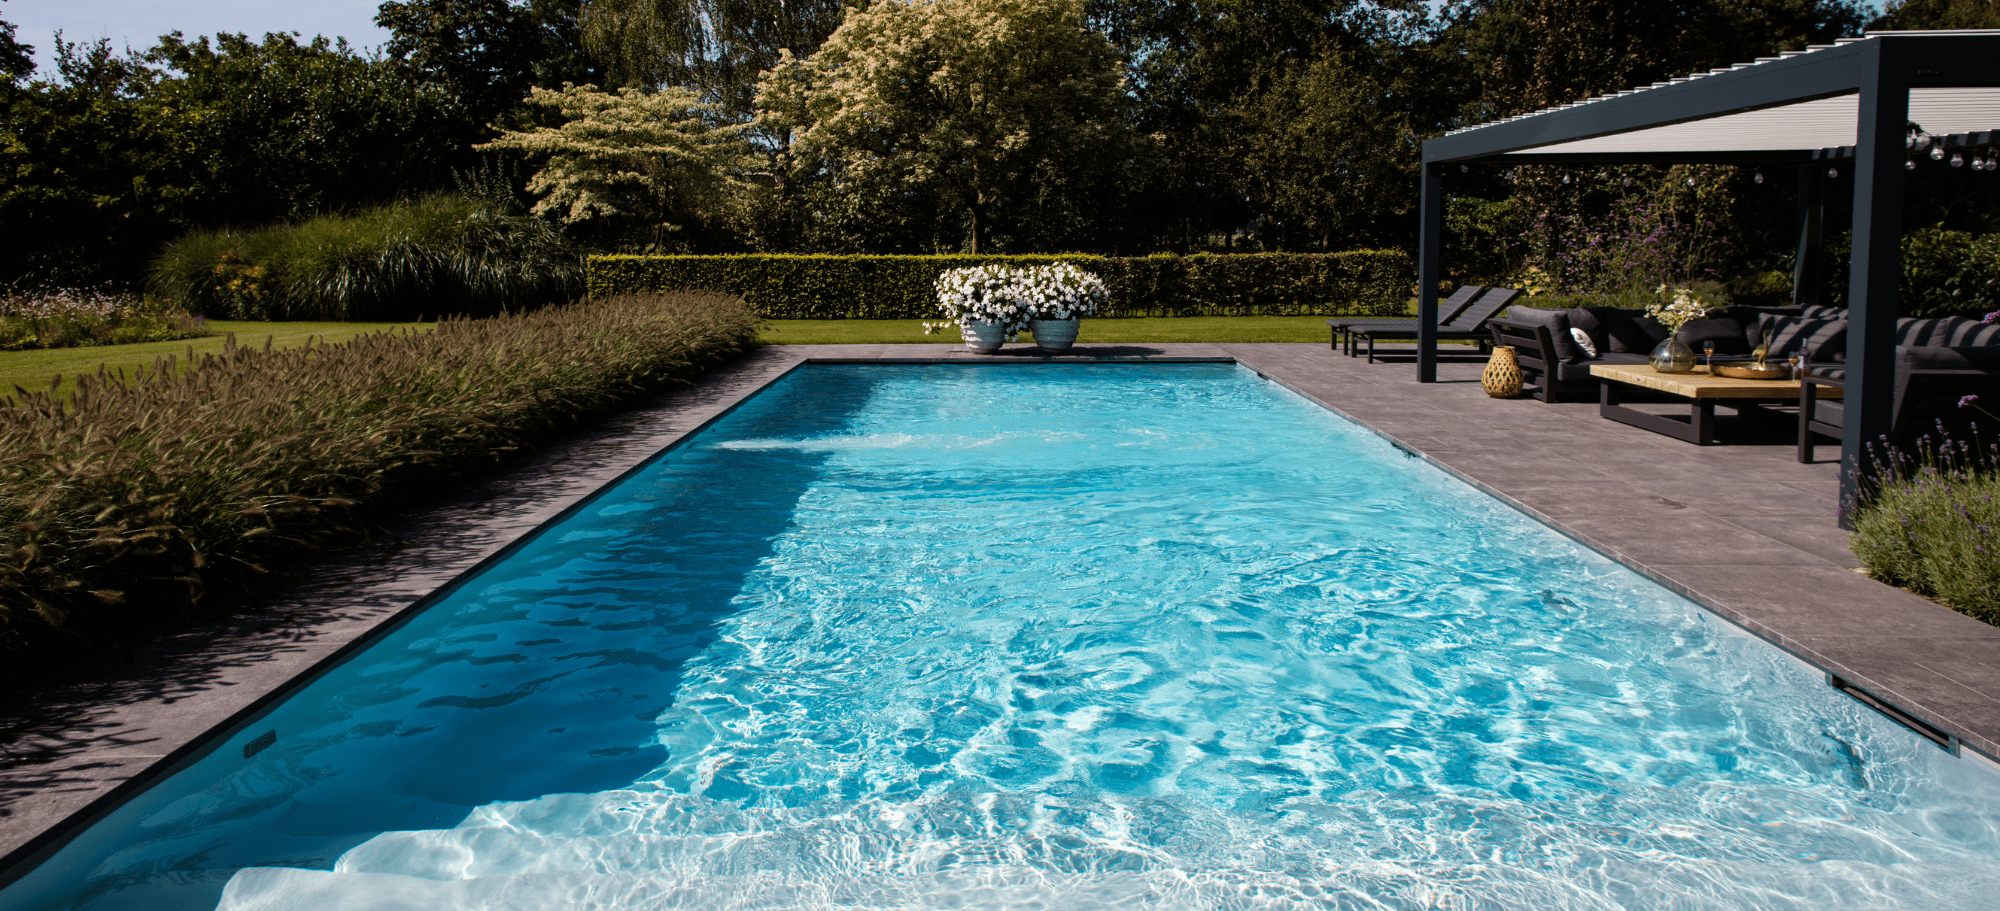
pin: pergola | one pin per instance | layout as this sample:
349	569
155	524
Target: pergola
1848	108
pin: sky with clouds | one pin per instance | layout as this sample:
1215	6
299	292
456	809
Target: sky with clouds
139	23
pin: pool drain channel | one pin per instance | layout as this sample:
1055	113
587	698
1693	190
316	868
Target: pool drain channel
1944	740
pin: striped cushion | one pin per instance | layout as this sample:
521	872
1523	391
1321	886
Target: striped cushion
1952	331
1822	311
1822	340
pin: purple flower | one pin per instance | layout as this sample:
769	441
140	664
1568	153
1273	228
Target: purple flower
1971	398
1990	317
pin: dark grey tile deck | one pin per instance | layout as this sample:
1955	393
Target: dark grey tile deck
1741	528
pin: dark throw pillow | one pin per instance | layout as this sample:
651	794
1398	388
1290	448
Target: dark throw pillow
1630	331
1822	340
1724	331
1563	347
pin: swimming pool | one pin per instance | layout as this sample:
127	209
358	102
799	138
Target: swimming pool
1075	636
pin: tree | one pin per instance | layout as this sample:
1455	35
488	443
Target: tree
1013	110
1938	14
657	159
16	60
486	53
278	129
89	165
716	47
1328	157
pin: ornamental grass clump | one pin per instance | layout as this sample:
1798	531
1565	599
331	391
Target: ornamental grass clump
1931	524
133	504
436	255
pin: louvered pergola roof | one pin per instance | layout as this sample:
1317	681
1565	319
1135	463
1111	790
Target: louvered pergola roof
1765	110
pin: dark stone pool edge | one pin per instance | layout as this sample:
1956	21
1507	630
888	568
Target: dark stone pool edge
54	785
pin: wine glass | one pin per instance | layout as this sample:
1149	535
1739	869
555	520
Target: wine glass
1708	350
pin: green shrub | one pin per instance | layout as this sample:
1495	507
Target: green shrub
1368	282
126	506
70	318
1931	526
428	257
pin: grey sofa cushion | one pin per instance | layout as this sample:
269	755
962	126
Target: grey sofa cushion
1580	372
1624	331
1725	331
1822	311
1953	331
1557	321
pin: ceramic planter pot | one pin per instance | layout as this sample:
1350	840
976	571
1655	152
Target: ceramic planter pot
983	336
1055	335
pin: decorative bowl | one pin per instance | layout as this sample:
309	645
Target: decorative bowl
1752	371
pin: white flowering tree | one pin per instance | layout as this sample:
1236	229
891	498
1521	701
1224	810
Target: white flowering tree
990	102
660	159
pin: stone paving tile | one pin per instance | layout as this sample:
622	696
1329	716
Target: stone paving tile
1744	529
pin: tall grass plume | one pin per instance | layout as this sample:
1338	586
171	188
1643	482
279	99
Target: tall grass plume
131	504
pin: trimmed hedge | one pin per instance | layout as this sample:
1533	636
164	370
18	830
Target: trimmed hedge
124	508
1358	282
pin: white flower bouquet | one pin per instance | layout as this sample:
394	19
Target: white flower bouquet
1680	305
1062	291
1013	295
982	293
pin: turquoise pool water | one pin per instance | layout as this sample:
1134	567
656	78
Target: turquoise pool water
1053	637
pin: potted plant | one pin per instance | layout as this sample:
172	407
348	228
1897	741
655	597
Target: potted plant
986	302
1059	296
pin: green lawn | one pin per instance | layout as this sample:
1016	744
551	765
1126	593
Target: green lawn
1161	329
33	369
1183	329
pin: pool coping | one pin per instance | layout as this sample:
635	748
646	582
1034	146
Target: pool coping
113	735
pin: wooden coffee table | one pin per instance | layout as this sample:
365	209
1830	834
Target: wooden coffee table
1701	390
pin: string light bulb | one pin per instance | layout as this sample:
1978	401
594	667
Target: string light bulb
1957	160
1627	181
1760	176
1909	164
1833	172
1937	154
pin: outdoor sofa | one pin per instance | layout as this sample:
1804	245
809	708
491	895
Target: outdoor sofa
1557	362
1939	361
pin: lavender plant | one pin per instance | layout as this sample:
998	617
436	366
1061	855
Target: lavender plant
1929	521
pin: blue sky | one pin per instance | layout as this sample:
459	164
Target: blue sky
140	22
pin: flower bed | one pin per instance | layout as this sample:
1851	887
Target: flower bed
136	504
71	318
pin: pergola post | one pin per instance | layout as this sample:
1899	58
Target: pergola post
1429	249
1876	267
1808	272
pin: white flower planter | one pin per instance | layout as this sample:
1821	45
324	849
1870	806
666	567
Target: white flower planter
1055	335
983	336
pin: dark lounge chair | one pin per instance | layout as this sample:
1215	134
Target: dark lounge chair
1448	310
1469	326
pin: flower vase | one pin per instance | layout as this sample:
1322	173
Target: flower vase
1502	377
1673	357
1055	335
983	336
